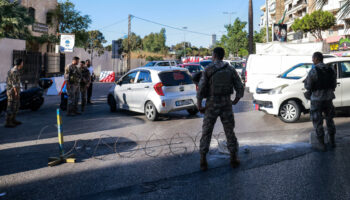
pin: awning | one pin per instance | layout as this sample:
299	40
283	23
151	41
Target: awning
334	39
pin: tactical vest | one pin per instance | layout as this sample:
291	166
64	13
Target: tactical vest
221	83
74	75
325	79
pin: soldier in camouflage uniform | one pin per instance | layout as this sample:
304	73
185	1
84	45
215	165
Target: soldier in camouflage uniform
13	84
321	83
84	84
72	77
217	83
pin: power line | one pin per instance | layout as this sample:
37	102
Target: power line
115	23
172	27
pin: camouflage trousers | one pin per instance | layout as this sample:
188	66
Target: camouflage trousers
73	92
219	107
319	111
12	105
83	94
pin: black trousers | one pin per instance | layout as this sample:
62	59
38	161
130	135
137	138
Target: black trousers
89	93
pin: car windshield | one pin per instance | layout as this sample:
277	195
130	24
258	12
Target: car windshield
194	68
237	65
296	72
175	78
150	64
205	63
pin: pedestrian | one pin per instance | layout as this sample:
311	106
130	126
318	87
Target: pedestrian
13	90
84	84
72	77
320	84
217	84
93	77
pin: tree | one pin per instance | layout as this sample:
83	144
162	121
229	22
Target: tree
14	20
71	21
95	42
135	43
315	23
155	42
260	37
236	38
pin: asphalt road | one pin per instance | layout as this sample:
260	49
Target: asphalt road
123	156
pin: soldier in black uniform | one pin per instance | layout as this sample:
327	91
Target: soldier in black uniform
321	83
217	83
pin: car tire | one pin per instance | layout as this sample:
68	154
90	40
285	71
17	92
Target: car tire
290	112
112	103
193	111
151	111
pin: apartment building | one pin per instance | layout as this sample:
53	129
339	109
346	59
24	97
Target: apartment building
299	8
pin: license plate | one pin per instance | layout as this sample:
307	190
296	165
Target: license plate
183	102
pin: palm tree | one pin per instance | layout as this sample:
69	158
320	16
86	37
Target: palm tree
250	26
14	20
344	11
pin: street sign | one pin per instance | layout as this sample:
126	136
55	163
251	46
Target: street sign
67	42
39	27
115	49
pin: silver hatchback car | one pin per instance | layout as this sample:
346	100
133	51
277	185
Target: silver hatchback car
154	91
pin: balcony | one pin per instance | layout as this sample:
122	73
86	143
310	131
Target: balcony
301	5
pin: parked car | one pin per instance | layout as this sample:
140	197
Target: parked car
205	63
283	95
29	99
192	68
154	91
161	63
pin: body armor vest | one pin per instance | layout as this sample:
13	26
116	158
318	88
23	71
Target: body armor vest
221	82
324	79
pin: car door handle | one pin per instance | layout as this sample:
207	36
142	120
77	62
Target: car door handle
146	86
129	89
338	83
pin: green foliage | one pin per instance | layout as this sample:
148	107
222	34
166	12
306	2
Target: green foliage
315	23
135	43
190	50
14	20
70	20
152	58
95	42
243	52
155	42
236	38
45	38
260	37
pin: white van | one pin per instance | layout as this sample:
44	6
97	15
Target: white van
283	95
265	67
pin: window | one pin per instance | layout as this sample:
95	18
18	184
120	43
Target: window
175	78
297	72
150	64
144	77
31	13
345	69
163	64
194	68
130	78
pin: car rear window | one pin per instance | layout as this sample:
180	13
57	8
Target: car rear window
175	78
193	68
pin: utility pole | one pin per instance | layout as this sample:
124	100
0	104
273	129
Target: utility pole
185	28
267	21
129	49
230	14
250	12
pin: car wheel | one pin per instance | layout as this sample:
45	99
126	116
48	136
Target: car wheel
112	103
290	112
151	111
193	111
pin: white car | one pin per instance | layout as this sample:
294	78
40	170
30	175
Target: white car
154	91
283	96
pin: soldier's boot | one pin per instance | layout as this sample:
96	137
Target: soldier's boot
321	146
234	162
70	111
9	123
203	162
82	108
331	139
15	121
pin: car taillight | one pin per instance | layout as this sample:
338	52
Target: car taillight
159	89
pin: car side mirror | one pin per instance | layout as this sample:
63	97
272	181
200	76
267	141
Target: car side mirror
119	83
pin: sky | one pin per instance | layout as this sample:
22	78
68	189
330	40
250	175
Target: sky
204	16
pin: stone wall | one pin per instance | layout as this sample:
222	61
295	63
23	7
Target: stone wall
6	48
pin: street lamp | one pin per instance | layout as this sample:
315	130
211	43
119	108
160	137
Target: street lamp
230	14
184	28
